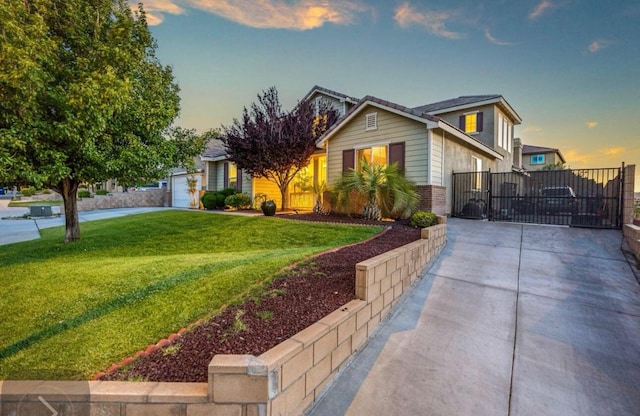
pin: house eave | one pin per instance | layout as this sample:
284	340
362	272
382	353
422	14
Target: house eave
500	101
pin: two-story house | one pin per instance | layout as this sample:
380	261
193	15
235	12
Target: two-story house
429	142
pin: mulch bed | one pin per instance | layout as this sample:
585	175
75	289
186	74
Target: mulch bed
308	292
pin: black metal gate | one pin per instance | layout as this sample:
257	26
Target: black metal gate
575	197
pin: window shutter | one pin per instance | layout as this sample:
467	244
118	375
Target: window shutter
396	154
239	181
461	124
348	159
226	174
479	122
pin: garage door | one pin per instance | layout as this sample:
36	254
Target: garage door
180	191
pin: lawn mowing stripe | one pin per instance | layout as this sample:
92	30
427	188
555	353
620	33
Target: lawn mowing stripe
112	305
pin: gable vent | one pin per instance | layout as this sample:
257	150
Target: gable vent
371	121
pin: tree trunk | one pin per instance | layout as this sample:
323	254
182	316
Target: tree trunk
68	188
285	200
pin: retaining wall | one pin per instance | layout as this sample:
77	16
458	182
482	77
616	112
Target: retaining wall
285	380
148	198
631	233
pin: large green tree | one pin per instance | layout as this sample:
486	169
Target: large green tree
83	98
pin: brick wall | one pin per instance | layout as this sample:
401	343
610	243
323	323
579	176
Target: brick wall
287	379
433	198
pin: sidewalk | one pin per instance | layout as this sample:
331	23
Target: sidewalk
511	320
16	230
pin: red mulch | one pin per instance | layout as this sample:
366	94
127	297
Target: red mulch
289	304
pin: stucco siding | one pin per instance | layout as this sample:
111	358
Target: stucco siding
391	129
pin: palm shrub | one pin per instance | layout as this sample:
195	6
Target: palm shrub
385	188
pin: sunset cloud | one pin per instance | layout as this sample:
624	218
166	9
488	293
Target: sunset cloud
591	124
598	45
540	9
264	14
156	9
495	41
406	15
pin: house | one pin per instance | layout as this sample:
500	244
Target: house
469	133
537	157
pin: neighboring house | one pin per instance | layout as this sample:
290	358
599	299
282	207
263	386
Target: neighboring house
537	157
429	142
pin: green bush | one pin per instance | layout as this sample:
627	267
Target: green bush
102	192
208	200
29	191
228	192
84	193
46	191
423	219
238	201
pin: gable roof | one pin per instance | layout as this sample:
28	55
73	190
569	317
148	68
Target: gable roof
530	150
469	101
429	120
215	151
337	95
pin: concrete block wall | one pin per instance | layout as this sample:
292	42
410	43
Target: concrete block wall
148	198
631	233
285	380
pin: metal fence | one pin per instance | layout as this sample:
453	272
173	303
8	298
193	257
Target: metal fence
575	197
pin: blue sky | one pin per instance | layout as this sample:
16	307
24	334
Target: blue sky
570	68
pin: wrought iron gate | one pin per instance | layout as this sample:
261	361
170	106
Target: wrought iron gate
575	197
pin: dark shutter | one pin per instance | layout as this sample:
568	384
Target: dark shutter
239	180
479	122
396	154
348	159
226	175
461	123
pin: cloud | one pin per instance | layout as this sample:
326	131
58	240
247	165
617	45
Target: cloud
281	14
591	124
495	41
613	151
406	16
598	44
532	129
156	9
540	9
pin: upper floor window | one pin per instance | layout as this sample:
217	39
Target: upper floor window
377	155
371	121
505	135
471	122
537	159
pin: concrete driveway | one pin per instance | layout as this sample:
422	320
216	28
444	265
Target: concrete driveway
510	320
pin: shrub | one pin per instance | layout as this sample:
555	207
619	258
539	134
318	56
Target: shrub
84	193
238	201
46	191
423	219
208	200
228	192
102	192
29	191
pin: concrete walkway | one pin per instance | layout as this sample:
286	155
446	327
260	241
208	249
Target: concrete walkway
510	320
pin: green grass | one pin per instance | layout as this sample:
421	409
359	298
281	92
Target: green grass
71	310
29	203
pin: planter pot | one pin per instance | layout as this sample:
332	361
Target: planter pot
268	208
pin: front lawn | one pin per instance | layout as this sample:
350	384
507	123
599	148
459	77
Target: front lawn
69	311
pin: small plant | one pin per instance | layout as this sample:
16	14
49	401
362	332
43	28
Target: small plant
46	191
265	315
102	192
259	199
228	191
84	193
171	349
29	191
238	325
238	201
423	219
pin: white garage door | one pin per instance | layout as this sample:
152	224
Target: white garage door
180	190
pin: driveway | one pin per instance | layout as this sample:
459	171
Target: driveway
511	319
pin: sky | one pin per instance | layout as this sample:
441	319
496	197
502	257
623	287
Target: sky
570	68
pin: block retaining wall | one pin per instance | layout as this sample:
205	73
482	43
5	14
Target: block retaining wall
631	233
285	380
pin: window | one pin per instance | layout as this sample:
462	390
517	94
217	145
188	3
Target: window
537	159
505	129
371	121
476	166
373	155
231	176
471	122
